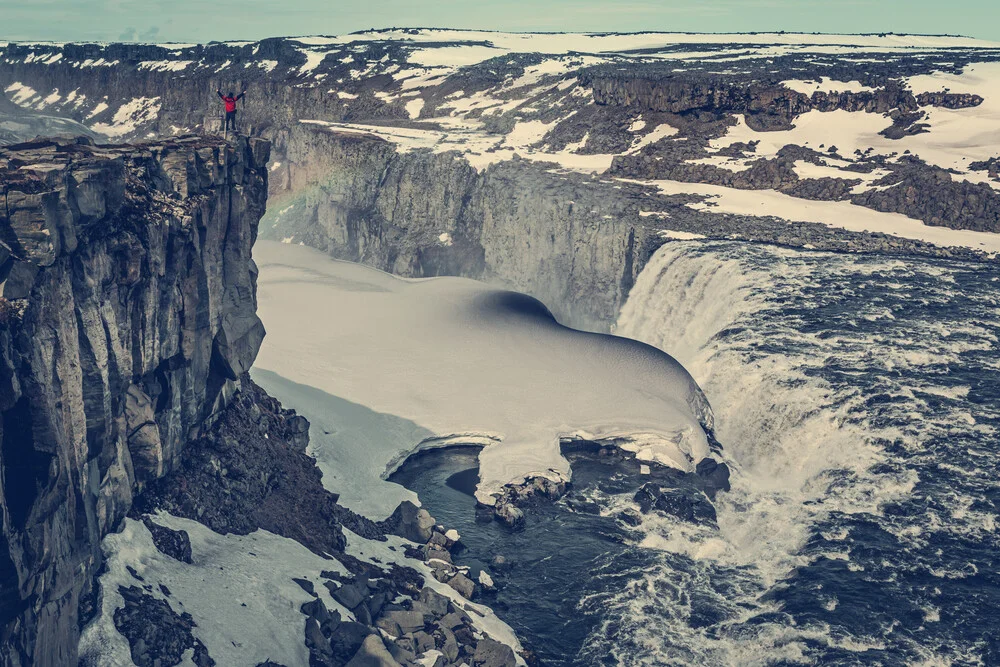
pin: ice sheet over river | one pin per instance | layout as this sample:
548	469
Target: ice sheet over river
382	366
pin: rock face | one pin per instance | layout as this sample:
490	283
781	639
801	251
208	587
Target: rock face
768	105
574	243
128	315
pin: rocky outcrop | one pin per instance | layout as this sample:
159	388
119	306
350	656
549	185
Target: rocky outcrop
911	187
768	105
250	471
128	301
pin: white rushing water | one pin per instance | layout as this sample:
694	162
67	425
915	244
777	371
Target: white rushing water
782	431
796	447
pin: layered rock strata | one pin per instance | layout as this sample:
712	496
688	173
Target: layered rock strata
127	316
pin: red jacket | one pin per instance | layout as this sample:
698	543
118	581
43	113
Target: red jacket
230	101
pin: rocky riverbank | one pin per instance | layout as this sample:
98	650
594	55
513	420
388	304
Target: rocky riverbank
250	472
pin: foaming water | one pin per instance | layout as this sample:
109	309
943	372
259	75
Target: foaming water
857	400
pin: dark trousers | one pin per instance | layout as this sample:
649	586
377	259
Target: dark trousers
230	118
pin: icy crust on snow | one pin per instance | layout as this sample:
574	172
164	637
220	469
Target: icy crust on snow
452	360
240	592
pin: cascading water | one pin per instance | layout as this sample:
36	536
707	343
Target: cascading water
857	399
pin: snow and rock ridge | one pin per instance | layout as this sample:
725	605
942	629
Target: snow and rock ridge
913	110
241	557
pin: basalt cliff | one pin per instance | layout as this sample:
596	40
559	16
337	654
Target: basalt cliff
127	319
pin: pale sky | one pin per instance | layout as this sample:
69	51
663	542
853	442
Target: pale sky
206	20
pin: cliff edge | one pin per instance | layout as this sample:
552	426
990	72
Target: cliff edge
127	317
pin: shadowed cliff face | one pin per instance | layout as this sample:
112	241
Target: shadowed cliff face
127	316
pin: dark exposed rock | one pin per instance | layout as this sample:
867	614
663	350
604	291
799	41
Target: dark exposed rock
434	601
305	585
346	639
510	515
490	653
681	503
174	543
156	634
931	194
465	586
372	653
350	595
249	471
410	522
715	474
904	125
769	105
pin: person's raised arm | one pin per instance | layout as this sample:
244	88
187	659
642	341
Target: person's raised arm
219	93
242	93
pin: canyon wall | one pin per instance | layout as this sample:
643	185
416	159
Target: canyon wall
127	317
576	244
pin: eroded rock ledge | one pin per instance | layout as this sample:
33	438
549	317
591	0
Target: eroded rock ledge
126	320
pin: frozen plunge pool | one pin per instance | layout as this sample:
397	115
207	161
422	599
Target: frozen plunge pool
383	367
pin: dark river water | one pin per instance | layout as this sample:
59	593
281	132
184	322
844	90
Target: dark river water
858	400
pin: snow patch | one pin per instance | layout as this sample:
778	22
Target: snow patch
20	93
100	108
678	236
228	571
825	85
130	116
489	364
166	65
661	131
414	107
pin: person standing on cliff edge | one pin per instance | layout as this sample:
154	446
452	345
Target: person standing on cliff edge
230	101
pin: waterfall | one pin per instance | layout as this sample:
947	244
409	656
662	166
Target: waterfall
731	314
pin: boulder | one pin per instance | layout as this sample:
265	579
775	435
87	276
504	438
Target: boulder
686	504
510	516
346	639
373	653
408	621
491	653
411	522
465	586
436	602
350	594
174	543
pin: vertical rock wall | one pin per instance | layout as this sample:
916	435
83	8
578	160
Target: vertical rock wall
128	313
